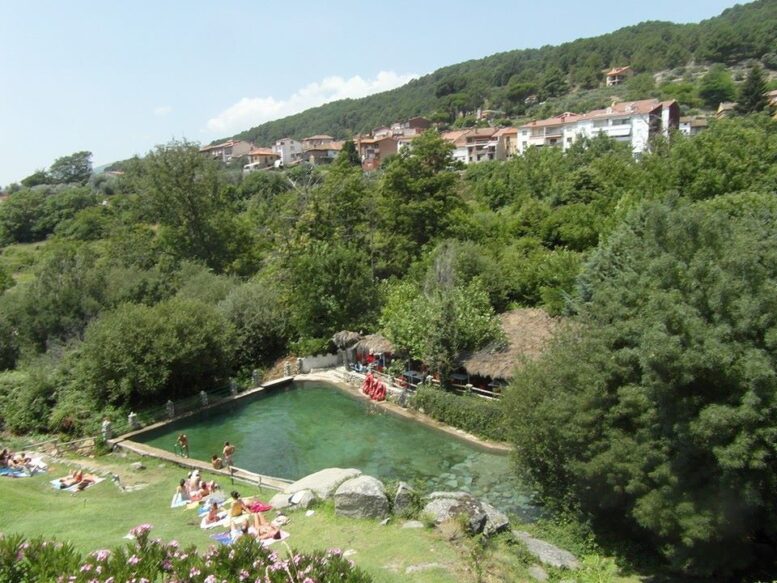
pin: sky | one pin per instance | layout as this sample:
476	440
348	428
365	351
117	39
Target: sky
118	78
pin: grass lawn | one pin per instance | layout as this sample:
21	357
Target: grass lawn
100	517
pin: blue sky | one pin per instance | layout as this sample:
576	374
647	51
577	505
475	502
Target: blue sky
116	78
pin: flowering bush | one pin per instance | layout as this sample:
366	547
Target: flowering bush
146	561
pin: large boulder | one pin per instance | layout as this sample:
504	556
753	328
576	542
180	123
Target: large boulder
444	506
404	499
362	497
323	483
546	553
496	521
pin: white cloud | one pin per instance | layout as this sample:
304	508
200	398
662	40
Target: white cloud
251	111
162	110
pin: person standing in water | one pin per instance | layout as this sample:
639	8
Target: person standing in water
229	451
183	444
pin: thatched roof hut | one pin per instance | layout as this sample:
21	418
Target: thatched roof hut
527	331
375	343
345	339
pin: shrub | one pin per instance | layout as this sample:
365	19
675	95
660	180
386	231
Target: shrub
27	561
472	414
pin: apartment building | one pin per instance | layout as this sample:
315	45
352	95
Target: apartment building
633	122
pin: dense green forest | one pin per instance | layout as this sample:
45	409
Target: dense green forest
653	417
563	78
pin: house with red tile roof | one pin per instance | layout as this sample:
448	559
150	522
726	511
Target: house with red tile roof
227	150
633	122
617	75
261	158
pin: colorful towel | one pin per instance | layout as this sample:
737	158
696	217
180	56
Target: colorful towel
11	473
74	488
222	521
226	538
178	501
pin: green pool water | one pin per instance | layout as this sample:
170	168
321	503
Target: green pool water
295	431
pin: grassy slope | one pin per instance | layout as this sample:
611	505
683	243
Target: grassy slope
102	515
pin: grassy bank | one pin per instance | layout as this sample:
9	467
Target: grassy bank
103	514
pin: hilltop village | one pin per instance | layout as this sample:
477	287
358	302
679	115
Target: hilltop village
633	122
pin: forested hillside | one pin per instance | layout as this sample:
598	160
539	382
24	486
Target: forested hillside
504	80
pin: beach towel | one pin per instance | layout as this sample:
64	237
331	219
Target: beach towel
226	538
222	521
205	508
178	501
259	507
11	473
74	488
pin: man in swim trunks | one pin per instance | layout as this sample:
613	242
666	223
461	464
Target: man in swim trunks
228	452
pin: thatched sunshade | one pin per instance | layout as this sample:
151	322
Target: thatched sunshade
345	339
375	343
527	330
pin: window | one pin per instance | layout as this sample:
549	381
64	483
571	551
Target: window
600	123
623	121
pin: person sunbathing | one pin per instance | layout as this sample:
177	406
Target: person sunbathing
213	513
76	477
263	530
5	458
216	462
182	490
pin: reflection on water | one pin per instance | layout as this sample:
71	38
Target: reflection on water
291	433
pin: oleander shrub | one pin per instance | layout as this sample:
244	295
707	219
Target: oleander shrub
472	414
145	560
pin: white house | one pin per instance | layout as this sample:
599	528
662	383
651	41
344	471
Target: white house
633	122
459	141
289	150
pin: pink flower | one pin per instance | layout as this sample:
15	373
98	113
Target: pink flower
210	579
133	560
85	568
194	572
102	554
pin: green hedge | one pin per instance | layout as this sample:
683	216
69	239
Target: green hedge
472	414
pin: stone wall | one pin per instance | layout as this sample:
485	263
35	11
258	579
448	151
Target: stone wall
321	361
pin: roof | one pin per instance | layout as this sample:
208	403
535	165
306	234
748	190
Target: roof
527	330
505	132
641	107
263	152
318	137
374	343
565	117
481	133
346	338
618	70
226	144
455	136
696	121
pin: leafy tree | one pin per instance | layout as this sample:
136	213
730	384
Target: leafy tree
9	345
184	191
139	355
717	86
416	196
656	413
436	323
75	168
752	93
68	290
349	153
36	178
330	288
261	322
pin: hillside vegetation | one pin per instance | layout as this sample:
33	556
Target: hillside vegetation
570	70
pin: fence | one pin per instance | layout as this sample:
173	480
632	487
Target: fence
355	378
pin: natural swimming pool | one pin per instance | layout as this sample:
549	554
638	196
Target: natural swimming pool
295	431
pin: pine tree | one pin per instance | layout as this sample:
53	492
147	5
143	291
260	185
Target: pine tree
752	94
